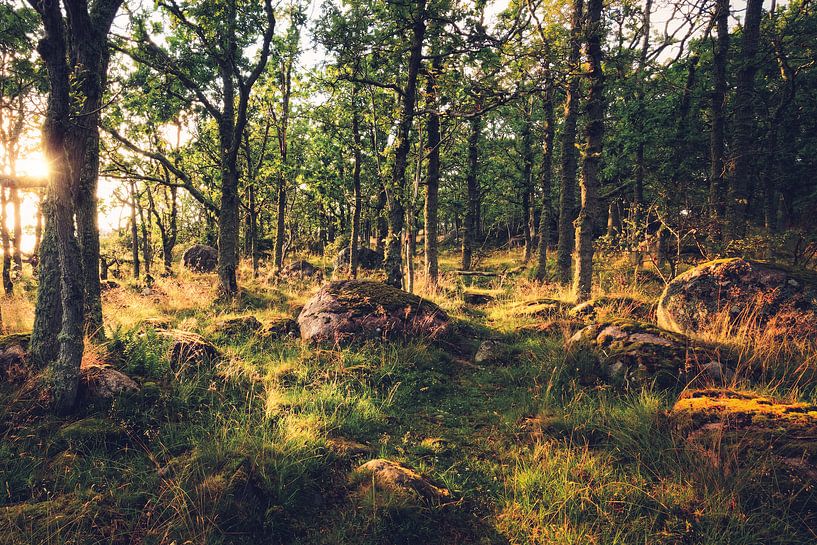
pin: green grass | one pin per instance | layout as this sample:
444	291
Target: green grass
241	452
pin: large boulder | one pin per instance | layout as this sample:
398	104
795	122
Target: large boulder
367	259
349	310
635	353
200	258
782	300
777	439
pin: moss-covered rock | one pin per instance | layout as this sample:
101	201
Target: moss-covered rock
636	353
495	352
188	350
200	258
613	306
280	329
368	259
777	298
14	367
301	269
102	382
397	482
543	307
777	439
89	433
351	310
238	325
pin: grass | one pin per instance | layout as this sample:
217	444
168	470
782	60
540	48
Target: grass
242	451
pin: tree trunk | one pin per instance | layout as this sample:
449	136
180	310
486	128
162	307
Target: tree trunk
45	345
433	181
583	275
718	128
469	235
527	180
354	239
546	174
8	285
638	192
739	183
568	166
394	193
134	232
14	195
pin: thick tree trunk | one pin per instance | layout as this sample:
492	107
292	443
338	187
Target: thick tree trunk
546	175
393	261
470	233
739	179
433	181
568	161
718	128
45	343
583	274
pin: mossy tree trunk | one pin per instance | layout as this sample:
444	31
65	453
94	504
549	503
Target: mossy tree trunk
74	75
527	178
718	128
567	198
591	166
546	177
470	231
354	239
394	192
433	180
740	172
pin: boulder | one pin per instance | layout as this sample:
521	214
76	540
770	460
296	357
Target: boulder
200	258
188	349
618	306
778	439
397	481
300	269
367	259
781	300
239	325
14	366
104	382
636	353
350	310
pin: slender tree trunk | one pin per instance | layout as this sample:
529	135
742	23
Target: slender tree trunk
546	175
638	192
739	179
717	136
527	180
354	239
433	180
568	161
14	194
469	235
38	231
393	261
583	274
8	285
382	224
134	232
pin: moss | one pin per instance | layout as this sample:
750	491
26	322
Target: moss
15	339
88	432
370	294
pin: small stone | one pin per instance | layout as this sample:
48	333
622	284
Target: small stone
399	480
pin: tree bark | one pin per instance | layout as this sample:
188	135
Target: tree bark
527	181
470	234
546	175
354	239
638	192
433	181
585	223
8	285
568	160
739	182
394	192
717	136
45	345
134	232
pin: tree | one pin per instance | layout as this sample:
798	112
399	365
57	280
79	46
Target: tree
592	156
75	52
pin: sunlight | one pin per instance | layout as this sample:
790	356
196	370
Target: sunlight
34	166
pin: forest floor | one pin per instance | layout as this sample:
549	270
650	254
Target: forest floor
259	447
